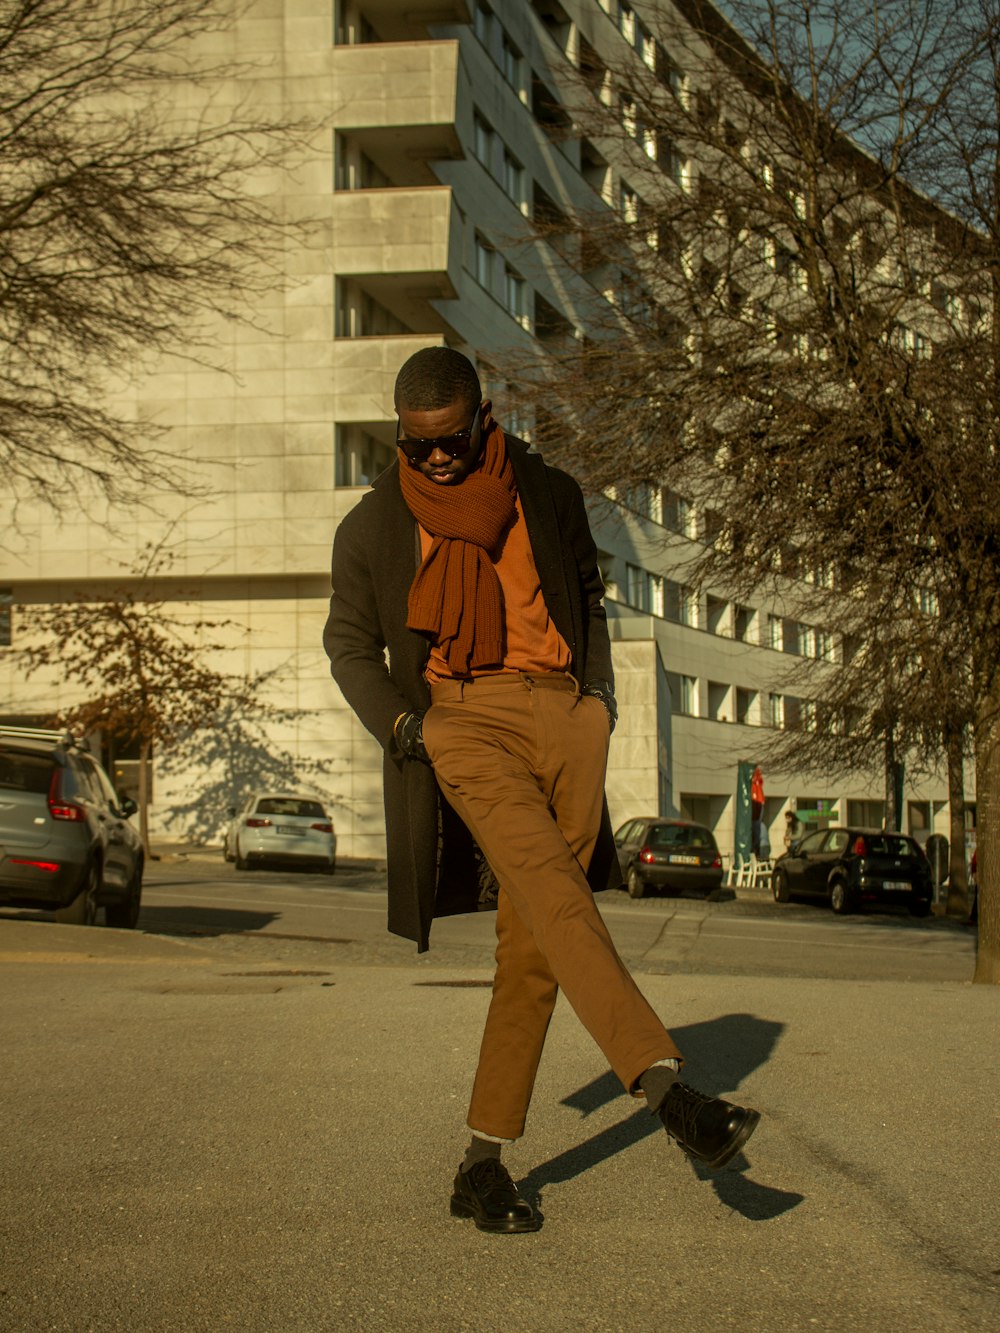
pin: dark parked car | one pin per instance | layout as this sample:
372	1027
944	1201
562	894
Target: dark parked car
668	854
853	867
65	841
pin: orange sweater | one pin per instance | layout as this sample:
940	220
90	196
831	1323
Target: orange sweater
531	640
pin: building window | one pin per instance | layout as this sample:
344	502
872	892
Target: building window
676	512
628	203
515	295
671	159
746	703
678	602
776	705
687	695
484	23
774	633
483	260
715	614
6	617
718	695
513	178
360	457
742	620
510	63
645	591
482	144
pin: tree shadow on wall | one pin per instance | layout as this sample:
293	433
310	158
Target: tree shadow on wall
232	758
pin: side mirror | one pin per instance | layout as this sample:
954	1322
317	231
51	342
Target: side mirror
127	806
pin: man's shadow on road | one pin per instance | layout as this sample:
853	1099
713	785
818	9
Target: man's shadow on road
730	1047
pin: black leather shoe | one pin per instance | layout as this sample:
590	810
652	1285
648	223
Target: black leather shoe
487	1194
707	1128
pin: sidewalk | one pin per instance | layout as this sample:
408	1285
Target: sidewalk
194	1143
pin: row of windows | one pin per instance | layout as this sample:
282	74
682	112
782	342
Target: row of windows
499	161
718	701
498	44
656	595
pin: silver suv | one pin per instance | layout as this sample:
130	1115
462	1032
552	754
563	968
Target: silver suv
65	841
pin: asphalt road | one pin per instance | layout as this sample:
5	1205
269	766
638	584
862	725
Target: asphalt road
344	917
248	1113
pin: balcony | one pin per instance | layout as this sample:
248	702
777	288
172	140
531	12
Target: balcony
398	101
364	373
402	247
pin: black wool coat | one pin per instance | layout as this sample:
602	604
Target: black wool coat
379	663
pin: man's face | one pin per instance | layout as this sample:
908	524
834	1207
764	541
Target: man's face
442	423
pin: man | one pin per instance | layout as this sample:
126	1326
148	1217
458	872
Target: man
471	561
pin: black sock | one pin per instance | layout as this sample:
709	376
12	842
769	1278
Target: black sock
656	1082
479	1150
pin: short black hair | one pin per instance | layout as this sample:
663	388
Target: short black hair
437	377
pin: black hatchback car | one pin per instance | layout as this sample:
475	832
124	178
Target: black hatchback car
668	854
855	867
66	845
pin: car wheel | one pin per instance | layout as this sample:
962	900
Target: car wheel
226	853
921	907
840	899
241	862
779	887
330	868
125	915
636	888
82	911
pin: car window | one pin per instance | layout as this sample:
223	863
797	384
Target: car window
290	806
811	844
626	831
77	782
98	776
884	844
837	841
25	772
680	835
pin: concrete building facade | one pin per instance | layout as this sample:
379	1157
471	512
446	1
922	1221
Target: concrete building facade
441	135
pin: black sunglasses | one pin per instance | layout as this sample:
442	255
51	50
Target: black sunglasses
455	446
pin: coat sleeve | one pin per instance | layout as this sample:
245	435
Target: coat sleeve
583	551
354	638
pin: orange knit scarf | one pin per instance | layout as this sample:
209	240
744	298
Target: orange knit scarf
455	598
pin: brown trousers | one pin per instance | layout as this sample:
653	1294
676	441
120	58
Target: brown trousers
522	759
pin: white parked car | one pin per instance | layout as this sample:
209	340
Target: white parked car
286	828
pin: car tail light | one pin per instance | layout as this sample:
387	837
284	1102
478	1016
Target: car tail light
60	809
258	823
860	847
322	828
50	866
717	863
647	856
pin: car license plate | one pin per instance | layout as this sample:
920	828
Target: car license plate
291	832
685	861
896	885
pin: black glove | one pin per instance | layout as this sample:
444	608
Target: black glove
601	689
409	735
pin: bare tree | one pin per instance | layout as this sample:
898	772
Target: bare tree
784	329
126	226
146	679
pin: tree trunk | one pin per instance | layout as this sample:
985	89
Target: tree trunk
958	879
144	748
893	786
988	833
